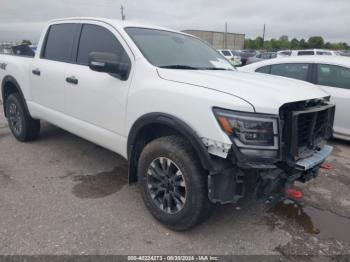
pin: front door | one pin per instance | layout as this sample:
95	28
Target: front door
94	97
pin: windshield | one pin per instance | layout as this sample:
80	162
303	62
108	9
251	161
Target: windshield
177	51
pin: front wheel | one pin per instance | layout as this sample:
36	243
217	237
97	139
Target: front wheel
173	183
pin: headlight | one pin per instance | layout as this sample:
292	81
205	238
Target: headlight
249	130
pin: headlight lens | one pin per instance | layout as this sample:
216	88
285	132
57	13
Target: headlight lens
249	130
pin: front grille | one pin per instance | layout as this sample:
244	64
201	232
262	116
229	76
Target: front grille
312	127
306	128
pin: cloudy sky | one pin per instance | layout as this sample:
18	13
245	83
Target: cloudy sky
24	19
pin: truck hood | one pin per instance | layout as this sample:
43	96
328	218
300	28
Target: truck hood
266	93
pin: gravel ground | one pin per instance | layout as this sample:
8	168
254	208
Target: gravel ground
64	195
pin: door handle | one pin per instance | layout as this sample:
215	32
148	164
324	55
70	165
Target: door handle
72	80
36	72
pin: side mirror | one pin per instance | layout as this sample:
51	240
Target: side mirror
108	63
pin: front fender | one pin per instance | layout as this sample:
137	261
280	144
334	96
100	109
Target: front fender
174	123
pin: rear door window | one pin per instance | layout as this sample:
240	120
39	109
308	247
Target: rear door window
98	39
264	69
297	71
332	75
59	42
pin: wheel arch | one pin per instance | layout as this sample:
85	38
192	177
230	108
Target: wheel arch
9	86
164	124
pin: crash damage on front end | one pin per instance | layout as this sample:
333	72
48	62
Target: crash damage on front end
278	149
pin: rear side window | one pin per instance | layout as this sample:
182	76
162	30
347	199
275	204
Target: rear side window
264	69
306	53
297	71
331	75
59	42
98	39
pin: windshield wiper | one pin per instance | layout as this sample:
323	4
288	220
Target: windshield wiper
179	67
214	68
193	68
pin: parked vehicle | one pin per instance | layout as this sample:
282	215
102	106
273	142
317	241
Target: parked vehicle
234	59
23	50
314	52
33	47
261	57
245	54
5	50
344	53
188	123
331	73
284	53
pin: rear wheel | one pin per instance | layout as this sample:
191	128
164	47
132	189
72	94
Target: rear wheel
173	183
22	125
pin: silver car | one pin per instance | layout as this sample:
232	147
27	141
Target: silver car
261	57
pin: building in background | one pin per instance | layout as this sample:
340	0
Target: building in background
233	41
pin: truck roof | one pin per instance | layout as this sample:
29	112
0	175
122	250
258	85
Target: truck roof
118	24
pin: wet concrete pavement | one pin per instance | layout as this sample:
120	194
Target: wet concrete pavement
64	195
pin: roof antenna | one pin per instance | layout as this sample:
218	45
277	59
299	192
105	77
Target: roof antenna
122	12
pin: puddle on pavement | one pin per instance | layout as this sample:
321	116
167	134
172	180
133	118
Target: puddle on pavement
323	223
101	184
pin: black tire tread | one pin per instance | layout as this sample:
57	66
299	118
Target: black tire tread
203	207
31	126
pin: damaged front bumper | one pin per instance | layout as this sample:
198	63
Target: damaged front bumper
316	159
228	185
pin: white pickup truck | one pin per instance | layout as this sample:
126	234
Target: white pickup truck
188	123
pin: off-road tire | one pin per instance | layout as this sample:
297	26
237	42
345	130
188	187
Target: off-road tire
29	128
197	206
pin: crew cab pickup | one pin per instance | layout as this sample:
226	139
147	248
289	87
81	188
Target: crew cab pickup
189	124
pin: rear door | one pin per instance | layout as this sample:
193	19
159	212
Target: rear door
335	80
97	98
49	67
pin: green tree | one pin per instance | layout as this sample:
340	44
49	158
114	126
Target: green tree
267	44
284	43
345	46
275	44
327	45
26	42
259	42
316	42
294	43
303	44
